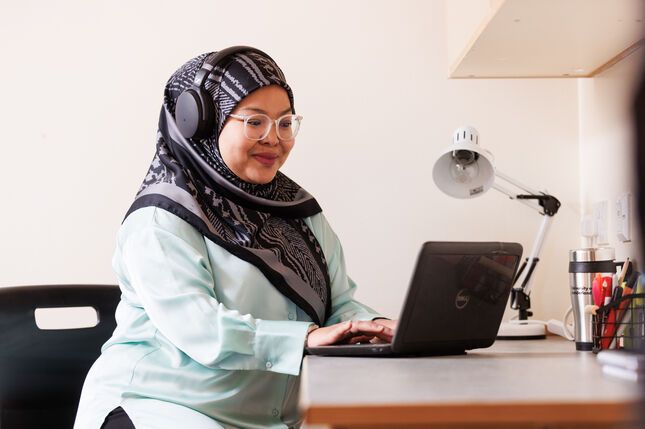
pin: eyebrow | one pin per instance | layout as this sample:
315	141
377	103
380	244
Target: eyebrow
257	109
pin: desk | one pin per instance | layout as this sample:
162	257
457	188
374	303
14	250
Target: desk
540	383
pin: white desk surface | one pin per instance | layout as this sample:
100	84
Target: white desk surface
511	382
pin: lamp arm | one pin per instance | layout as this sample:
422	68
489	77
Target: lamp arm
520	299
513	196
524	279
516	183
547	205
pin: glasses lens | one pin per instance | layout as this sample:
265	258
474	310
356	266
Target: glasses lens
288	126
256	127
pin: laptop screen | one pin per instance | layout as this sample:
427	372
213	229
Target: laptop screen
459	293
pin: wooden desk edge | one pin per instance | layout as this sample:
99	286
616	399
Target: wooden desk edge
574	412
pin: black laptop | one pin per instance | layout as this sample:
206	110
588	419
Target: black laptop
455	302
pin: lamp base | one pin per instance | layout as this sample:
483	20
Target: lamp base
521	330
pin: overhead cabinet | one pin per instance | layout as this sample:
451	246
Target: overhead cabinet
546	38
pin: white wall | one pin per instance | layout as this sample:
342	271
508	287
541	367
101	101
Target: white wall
84	82
606	146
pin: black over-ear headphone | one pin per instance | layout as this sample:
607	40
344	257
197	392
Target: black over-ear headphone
195	111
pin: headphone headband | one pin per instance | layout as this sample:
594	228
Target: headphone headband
211	61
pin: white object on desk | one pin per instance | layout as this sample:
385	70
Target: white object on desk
622	358
625	374
466	170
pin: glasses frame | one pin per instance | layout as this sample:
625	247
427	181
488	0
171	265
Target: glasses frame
273	122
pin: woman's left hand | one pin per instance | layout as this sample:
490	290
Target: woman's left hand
387	322
391	324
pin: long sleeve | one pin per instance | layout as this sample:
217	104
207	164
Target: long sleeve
344	306
168	269
201	329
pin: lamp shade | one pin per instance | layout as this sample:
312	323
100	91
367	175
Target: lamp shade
464	170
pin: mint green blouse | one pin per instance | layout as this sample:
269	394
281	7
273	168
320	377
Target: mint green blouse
203	339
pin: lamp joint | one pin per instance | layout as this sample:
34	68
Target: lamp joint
549	203
522	302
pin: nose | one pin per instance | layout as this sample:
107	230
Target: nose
271	138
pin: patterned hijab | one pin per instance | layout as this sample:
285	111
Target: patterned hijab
261	224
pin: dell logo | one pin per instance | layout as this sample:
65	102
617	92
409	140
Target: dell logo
462	299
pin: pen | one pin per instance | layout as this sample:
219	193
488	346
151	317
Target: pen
621	319
606	289
623	271
610	326
605	283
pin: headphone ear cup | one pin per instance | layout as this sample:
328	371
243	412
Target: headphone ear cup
206	123
188	113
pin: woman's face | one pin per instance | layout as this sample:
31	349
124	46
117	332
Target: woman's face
256	161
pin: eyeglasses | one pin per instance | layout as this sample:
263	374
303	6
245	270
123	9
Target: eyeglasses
258	126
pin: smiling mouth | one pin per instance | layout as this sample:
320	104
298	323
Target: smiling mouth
266	160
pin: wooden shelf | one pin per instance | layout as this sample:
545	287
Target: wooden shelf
552	38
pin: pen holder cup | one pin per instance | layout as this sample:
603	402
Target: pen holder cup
620	325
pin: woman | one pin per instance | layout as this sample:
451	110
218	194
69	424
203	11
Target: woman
227	267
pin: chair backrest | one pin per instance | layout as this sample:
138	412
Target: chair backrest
42	370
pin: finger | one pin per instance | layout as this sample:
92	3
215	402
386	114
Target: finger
386	336
368	327
341	332
356	338
351	339
389	323
360	339
344	325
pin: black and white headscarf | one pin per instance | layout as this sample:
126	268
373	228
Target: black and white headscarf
261	224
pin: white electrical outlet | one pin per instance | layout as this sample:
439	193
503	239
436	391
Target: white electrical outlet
588	230
600	215
623	218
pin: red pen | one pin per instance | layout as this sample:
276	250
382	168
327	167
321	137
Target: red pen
605	283
596	290
606	289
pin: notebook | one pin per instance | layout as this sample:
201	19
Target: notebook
455	301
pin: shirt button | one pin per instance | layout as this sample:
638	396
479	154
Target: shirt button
269	365
275	412
292	316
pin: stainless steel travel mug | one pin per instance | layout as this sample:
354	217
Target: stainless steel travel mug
583	266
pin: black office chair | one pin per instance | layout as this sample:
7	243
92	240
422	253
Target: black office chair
42	371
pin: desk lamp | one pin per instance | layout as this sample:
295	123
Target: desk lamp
465	170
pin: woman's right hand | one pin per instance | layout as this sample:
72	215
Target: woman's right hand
349	332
